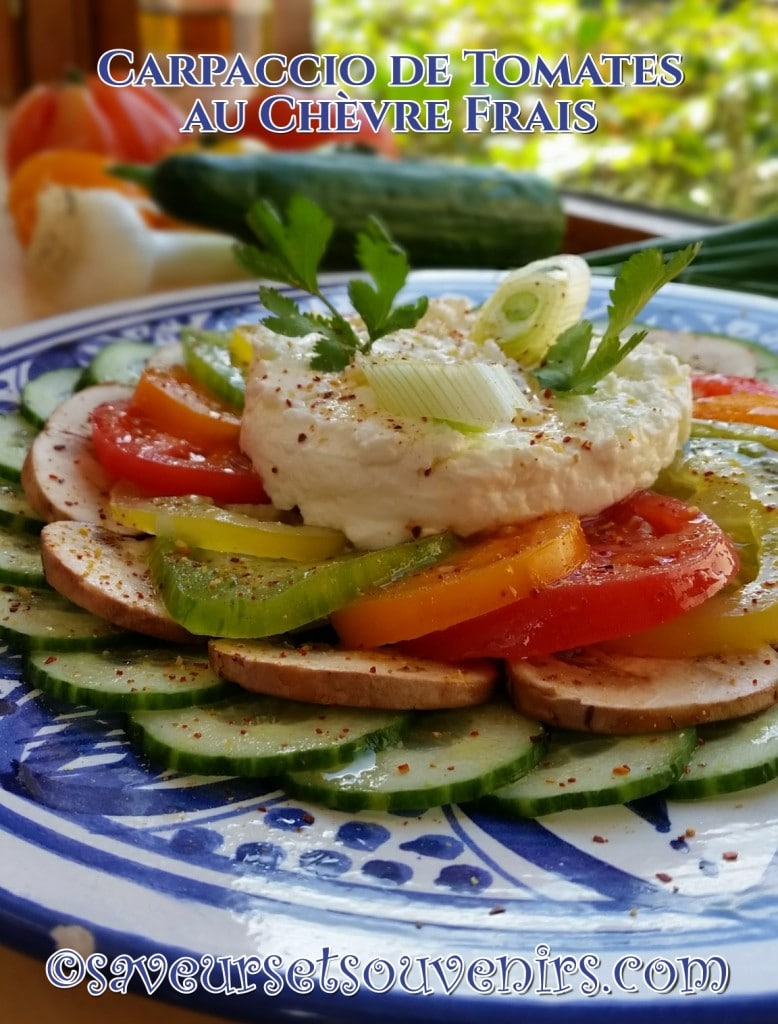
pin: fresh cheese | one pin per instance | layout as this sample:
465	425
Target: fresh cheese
322	444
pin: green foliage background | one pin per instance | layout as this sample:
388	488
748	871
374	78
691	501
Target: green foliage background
709	146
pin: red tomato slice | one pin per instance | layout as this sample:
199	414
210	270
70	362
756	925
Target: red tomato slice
131	448
652	558
706	385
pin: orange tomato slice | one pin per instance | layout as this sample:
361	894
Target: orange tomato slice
481	576
739	407
171	399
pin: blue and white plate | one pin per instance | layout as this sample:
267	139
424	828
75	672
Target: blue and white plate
232	898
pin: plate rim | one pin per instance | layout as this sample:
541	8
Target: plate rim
64	329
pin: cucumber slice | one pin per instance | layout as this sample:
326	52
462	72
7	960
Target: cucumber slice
41	395
581	770
242	596
33	618
20	560
207	357
16	513
16	436
261	736
118	363
731	756
127	681
446	757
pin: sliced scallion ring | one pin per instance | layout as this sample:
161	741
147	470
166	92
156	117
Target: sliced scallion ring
533	305
467	394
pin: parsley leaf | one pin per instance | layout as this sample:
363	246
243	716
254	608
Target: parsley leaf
296	248
292	252
387	264
568	367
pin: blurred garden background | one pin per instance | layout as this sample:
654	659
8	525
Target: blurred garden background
709	146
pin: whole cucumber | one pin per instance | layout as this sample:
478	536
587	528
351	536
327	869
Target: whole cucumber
444	215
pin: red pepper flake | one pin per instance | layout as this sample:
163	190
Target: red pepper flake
308	818
403	769
622	769
51	659
729	855
663	876
599	839
496	910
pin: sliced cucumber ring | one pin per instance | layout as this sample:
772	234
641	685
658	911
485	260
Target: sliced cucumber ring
581	770
261	736
118	363
16	436
20	560
127	680
731	756
33	618
41	395
16	513
446	757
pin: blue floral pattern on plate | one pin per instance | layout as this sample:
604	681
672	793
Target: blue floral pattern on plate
143	862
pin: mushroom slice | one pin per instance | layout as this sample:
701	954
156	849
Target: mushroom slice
320	674
61	476
109	576
594	690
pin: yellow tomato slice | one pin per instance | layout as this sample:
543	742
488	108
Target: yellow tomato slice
177	404
480	577
199	522
241	349
739	407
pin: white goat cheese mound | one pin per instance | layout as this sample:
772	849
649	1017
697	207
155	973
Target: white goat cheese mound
321	443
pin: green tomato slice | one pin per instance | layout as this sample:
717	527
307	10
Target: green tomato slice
240	596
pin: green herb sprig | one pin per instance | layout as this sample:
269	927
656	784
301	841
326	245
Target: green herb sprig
568	368
291	253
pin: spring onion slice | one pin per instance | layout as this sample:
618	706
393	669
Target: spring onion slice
469	394
533	305
200	523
